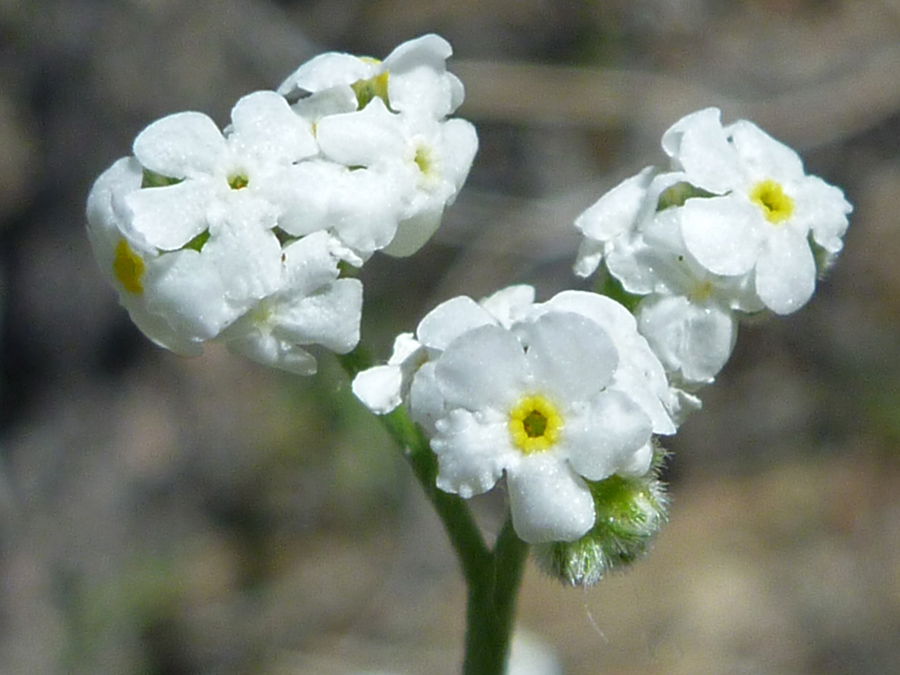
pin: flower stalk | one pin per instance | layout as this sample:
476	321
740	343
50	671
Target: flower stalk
493	576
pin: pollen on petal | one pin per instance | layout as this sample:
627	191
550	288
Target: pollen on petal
128	268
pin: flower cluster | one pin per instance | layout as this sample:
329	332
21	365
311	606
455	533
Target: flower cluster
241	235
734	226
565	398
557	396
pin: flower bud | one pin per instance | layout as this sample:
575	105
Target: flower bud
630	510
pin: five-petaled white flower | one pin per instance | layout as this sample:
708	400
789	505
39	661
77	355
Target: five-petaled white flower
762	212
550	394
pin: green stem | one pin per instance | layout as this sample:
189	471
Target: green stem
490	612
493	576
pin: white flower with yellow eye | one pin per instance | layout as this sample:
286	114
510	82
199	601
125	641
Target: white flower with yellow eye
190	167
413	80
424	161
567	394
763	209
237	285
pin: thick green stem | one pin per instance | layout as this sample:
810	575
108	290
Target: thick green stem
492	577
491	608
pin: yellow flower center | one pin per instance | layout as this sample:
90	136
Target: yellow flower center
534	424
128	268
423	159
775	204
701	291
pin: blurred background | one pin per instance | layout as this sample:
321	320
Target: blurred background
164	516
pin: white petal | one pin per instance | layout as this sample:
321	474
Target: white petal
721	233
406	348
604	311
616	211
472	452
762	155
245	251
169	217
379	388
699	146
639	374
823	208
430	50
423	91
634	264
365	213
638	463
414	232
483	368
309	264
571	357
329	317
548	501
508	305
459	143
693	339
426	403
189	293
362	138
418	82
307	192
326	102
588	258
182	145
266	128
327	70
786	272
267	350
449	320
104	224
605	439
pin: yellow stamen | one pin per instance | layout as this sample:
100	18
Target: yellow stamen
534	424
775	204
128	268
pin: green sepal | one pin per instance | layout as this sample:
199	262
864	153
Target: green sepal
606	284
151	179
368	90
629	512
678	194
198	242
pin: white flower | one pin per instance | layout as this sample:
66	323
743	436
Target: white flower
550	394
763	211
128	263
383	388
413	79
426	161
568	394
313	306
195	168
733	228
237	285
687	312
